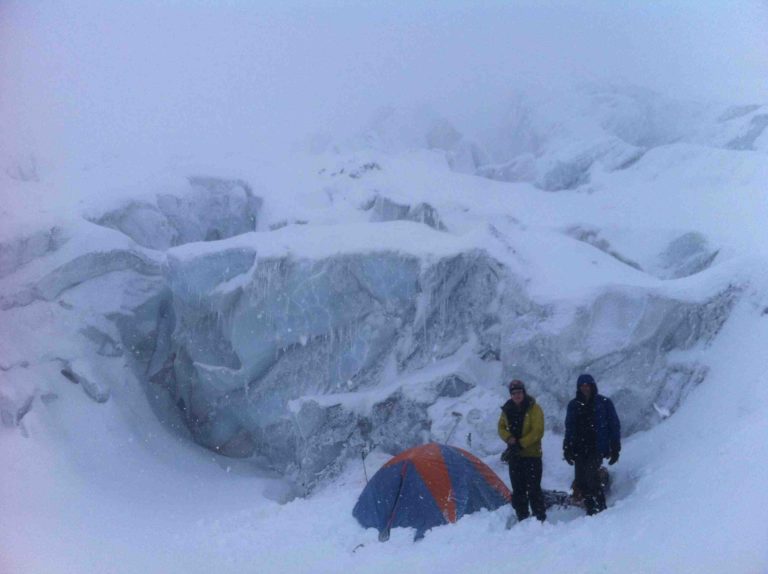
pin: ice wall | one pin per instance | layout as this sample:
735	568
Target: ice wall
97	278
211	208
254	333
643	348
303	349
304	345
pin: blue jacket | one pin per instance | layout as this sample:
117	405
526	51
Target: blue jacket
606	421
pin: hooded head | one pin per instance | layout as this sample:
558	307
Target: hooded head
586	380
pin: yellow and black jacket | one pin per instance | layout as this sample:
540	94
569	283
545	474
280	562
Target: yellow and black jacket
532	428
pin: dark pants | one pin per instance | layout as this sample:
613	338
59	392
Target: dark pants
525	477
589	484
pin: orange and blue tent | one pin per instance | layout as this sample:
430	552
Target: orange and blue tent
426	486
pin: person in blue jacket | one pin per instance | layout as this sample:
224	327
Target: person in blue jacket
592	433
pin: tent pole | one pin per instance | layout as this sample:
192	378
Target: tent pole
457	416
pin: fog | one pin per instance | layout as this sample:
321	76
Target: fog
84	80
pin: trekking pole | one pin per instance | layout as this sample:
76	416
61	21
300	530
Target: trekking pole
365	471
457	416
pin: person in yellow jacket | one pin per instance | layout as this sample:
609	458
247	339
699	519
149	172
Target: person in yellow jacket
521	426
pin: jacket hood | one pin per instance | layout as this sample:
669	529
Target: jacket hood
589	379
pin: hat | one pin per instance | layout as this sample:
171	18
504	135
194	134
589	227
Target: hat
585	379
516	384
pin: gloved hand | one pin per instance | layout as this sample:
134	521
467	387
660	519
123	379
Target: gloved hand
615	450
512	451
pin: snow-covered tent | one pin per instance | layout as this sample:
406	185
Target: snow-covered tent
426	486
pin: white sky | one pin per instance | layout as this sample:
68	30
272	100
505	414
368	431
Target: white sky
85	79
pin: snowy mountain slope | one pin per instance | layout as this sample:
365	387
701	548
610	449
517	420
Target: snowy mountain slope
650	276
135	501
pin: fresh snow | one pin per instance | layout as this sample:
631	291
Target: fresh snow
105	491
108	489
605	203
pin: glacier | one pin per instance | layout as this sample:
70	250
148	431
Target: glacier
375	318
255	330
384	307
287	346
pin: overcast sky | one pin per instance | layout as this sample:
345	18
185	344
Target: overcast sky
82	77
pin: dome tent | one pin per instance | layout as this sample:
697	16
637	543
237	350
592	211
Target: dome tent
426	486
